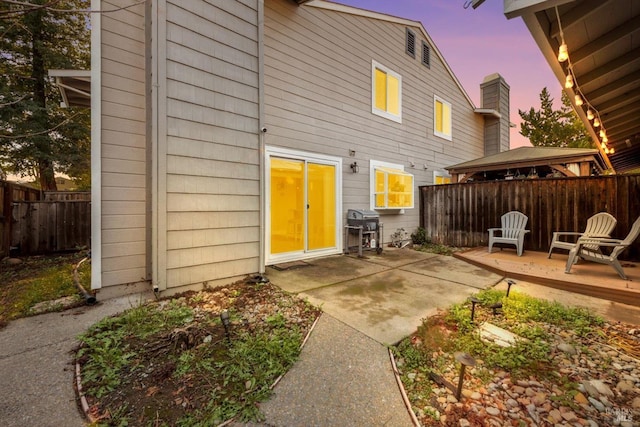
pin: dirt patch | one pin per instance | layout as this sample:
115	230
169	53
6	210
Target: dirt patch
178	374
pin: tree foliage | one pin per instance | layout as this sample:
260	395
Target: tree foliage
554	128
37	136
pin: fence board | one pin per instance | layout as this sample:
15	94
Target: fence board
51	226
459	214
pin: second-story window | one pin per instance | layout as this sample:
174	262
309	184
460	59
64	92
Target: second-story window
441	118
386	92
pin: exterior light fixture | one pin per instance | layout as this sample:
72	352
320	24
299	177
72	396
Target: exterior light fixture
590	115
563	53
354	167
579	101
568	83
465	360
596	123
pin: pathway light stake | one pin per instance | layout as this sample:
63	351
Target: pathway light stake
495	307
465	360
224	316
474	301
509	284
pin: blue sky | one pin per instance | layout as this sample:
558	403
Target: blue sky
479	42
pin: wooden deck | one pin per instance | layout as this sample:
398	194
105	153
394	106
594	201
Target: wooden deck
596	280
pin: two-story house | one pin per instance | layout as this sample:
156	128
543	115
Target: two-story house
231	135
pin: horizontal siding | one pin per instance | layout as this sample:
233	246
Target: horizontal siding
212	141
124	201
318	99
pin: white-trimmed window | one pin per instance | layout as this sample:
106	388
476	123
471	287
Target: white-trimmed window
386	92
440	177
391	186
441	118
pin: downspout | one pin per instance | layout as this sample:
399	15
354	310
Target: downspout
96	146
158	147
262	132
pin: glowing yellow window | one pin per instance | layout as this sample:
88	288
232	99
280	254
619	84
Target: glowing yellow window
386	93
442	118
393	189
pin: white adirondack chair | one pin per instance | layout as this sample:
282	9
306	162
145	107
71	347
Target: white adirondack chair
512	231
599	225
583	249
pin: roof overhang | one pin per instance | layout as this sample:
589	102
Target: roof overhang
603	40
74	86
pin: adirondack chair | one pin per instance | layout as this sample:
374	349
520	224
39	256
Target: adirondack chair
599	225
583	249
512	231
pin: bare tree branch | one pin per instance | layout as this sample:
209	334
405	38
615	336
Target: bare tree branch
6	104
43	132
30	7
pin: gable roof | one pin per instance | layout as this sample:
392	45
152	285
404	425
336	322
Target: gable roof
337	7
526	154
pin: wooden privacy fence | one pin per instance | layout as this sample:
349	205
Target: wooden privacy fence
31	225
460	214
51	226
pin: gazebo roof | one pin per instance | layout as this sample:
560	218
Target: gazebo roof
527	156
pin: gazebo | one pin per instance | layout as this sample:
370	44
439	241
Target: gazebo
530	162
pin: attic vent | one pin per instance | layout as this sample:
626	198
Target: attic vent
426	55
411	43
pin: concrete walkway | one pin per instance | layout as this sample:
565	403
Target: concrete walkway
36	364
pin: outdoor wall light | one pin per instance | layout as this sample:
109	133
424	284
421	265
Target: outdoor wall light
354	167
352	153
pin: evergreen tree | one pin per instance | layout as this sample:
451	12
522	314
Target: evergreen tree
37	136
554	128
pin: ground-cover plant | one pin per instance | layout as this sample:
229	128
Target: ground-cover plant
38	279
428	354
173	362
422	242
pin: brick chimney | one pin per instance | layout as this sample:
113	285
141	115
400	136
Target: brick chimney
494	92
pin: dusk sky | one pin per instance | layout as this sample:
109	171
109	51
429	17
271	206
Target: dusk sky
479	42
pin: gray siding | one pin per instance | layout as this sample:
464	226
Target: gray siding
318	99
212	162
124	232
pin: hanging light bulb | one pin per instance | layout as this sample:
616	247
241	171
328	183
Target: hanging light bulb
568	83
612	150
563	52
605	139
606	151
602	134
603	145
596	123
579	100
590	115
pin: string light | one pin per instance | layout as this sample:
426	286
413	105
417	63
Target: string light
571	82
568	83
563	52
579	100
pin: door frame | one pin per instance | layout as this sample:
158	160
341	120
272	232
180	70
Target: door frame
305	156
